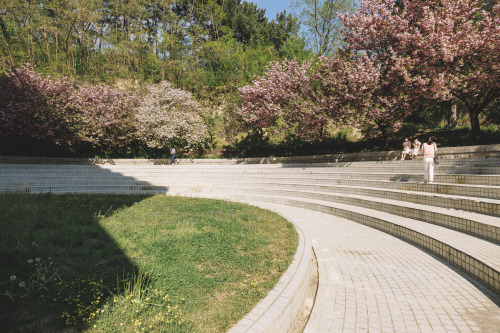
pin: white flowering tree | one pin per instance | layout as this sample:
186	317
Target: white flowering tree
168	115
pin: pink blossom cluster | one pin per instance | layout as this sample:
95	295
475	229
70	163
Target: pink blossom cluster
107	116
36	106
107	119
284	100
58	110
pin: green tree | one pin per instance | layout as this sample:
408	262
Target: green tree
247	21
282	29
323	27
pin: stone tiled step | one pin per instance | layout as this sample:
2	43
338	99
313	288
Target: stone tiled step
476	224
466	203
19	171
482	198
482	191
472	204
265	175
459	202
255	173
463	190
114	189
416	168
93	175
160	179
376	188
147	173
68	181
278	310
494	170
410	177
477	257
471	179
301	160
480	164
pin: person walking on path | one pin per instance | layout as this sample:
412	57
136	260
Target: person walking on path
429	150
172	155
406	149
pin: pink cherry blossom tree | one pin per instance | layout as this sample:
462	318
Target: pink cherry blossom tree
167	115
284	100
302	99
56	109
435	48
37	106
358	90
106	117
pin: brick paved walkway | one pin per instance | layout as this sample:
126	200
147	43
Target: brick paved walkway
370	281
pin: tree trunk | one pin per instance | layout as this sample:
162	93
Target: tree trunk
476	106
385	138
453	116
474	123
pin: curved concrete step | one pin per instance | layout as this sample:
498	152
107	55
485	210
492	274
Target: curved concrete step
457	190
113	189
92	175
480	225
162	179
473	204
276	313
484	226
479	166
482	191
479	258
468	203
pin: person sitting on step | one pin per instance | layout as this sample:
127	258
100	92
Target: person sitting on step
416	148
406	149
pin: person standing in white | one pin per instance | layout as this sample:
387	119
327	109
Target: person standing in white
429	150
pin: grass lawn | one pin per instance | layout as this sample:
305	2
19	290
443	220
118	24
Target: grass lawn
132	263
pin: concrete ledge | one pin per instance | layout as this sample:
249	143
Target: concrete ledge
444	153
277	312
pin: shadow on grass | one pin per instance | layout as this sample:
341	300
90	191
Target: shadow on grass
57	263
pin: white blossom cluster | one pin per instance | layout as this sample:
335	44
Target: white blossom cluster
167	113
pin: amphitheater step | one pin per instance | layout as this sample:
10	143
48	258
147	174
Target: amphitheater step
476	224
258	175
479	225
113	189
478	198
477	257
461	186
482	191
450	166
469	203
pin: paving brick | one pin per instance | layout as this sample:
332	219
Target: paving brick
386	262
